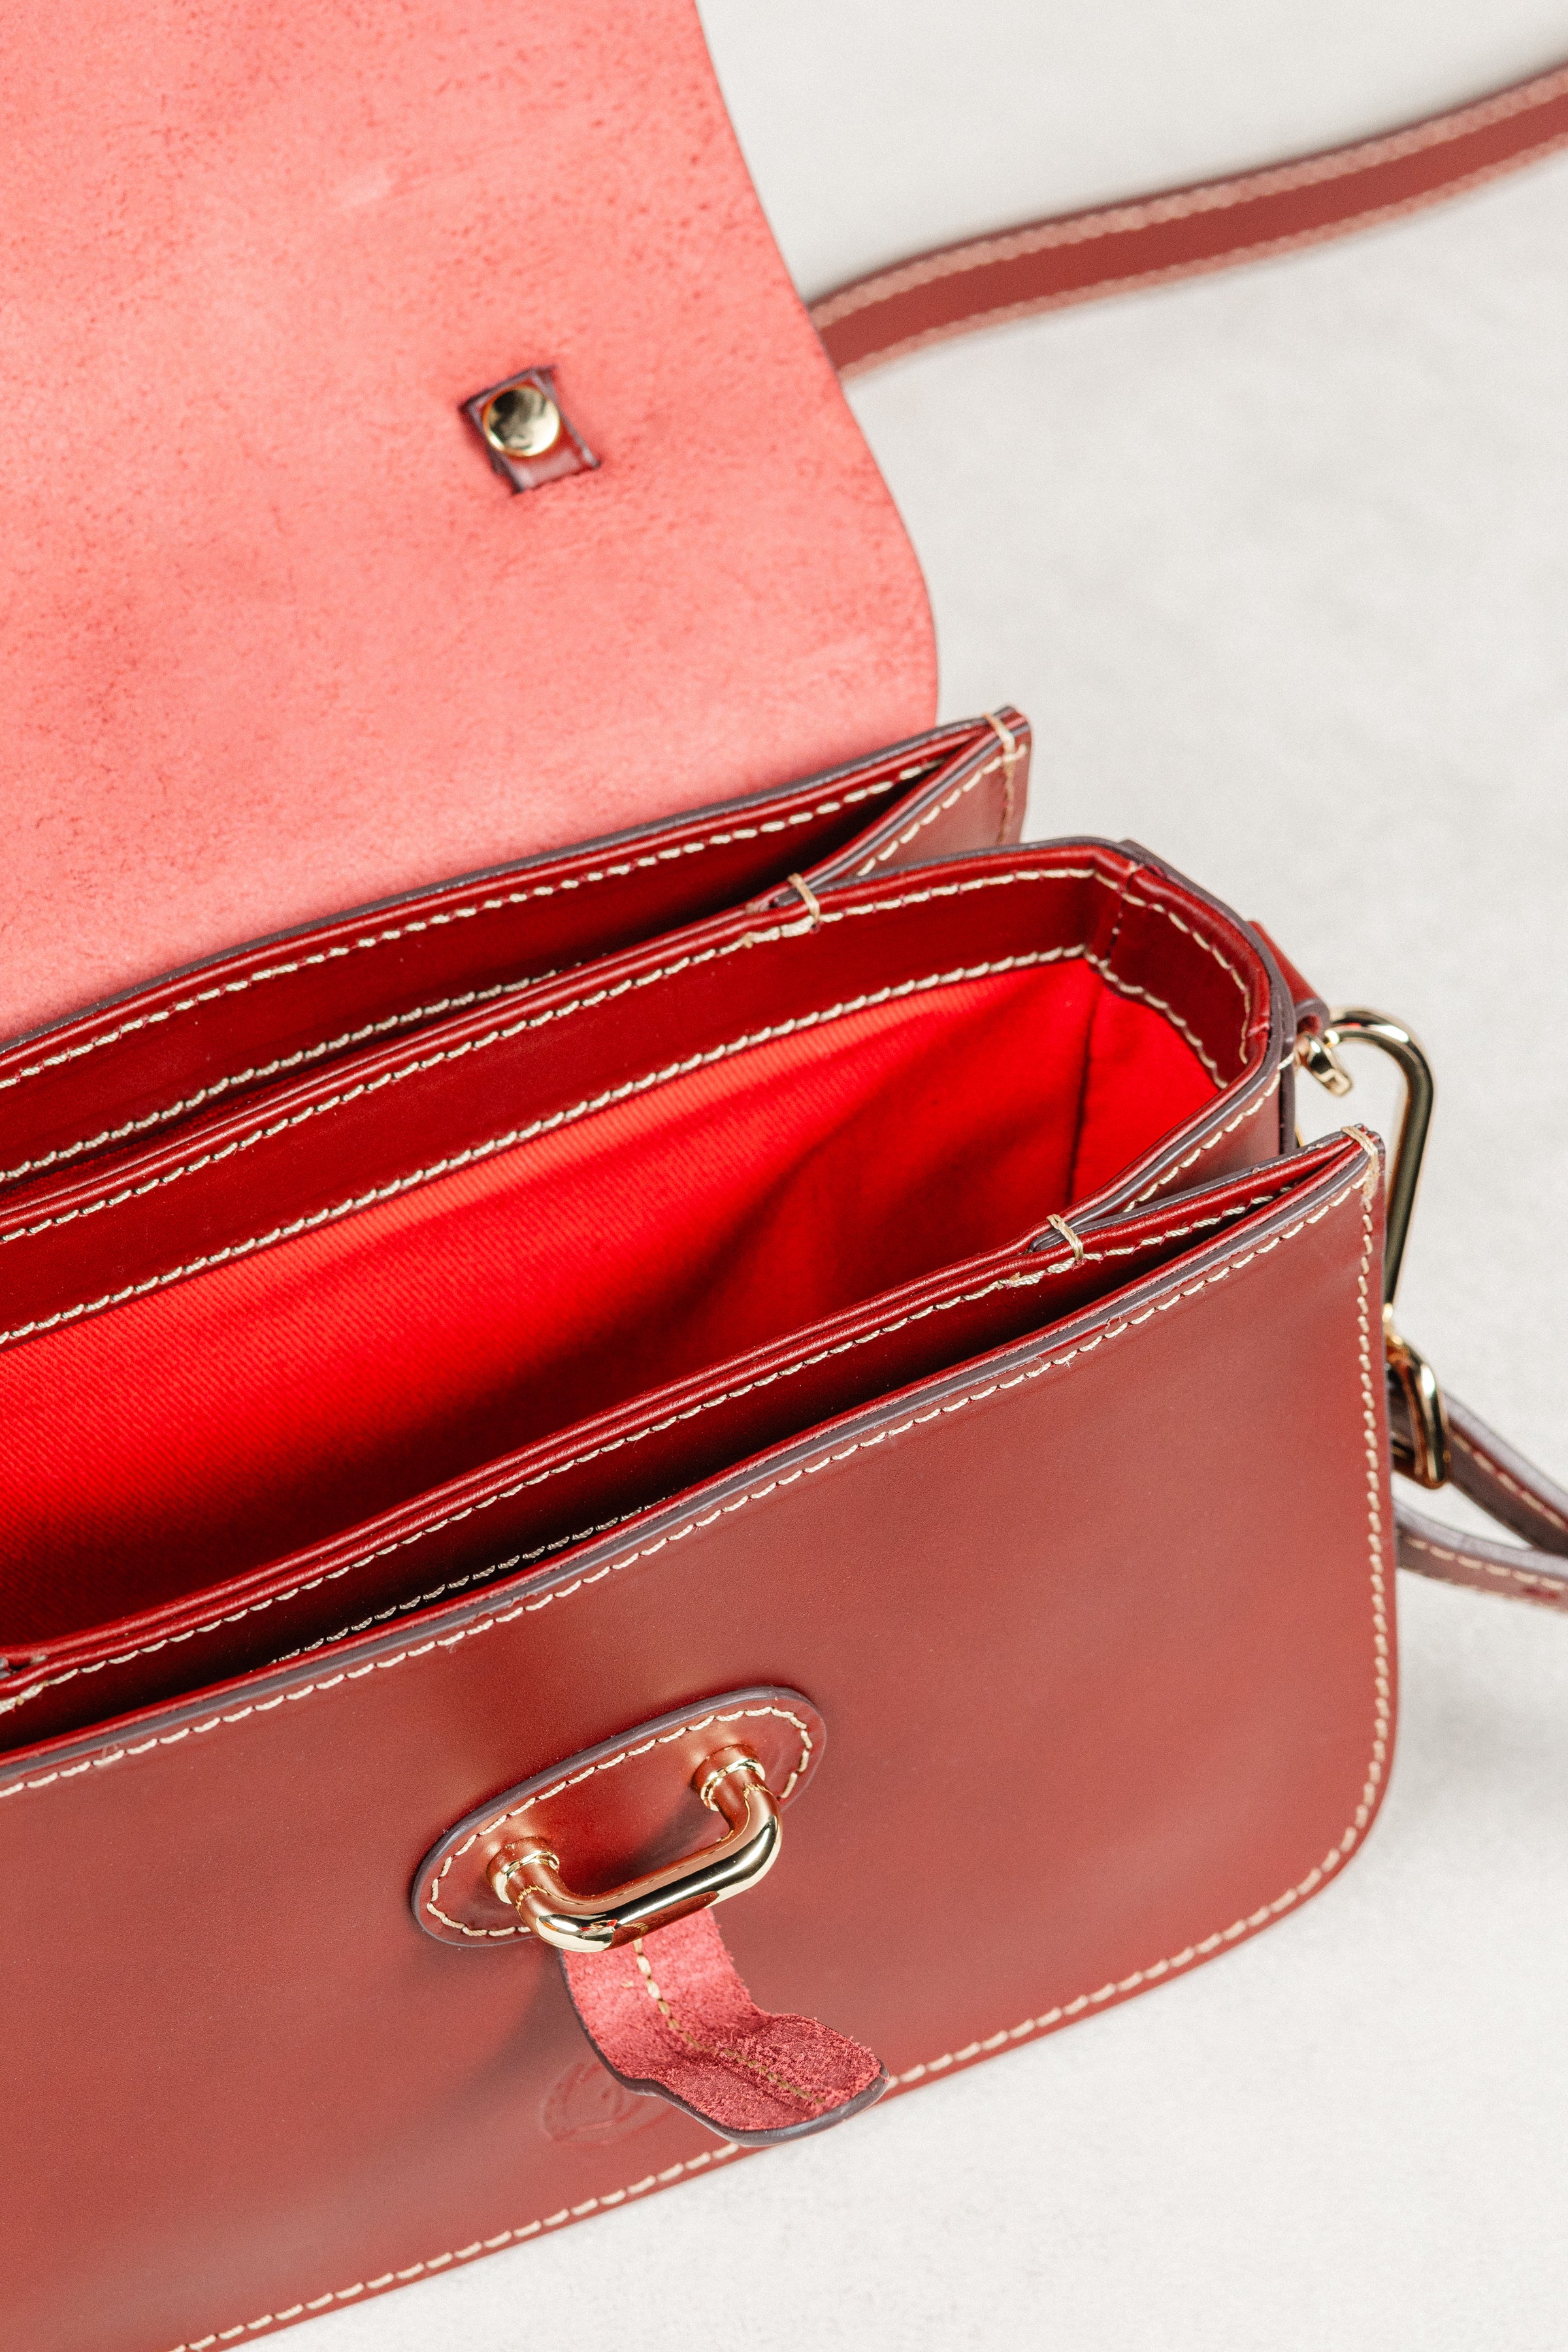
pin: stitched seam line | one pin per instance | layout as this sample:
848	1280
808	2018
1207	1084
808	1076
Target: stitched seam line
487	1827
465	2253
1249	1110
1048	1271
1172	273
1125	987
1039	1368
652	979
565	1543
294	1061
545	1124
938	808
1216	196
1556	1587
1382	1701
460	914
711	2048
1052	2018
1495	1470
1150	907
516	1028
559	1119
1021	1281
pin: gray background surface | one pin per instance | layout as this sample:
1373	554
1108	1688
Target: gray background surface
1277	562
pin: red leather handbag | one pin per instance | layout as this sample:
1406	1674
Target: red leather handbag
558	1398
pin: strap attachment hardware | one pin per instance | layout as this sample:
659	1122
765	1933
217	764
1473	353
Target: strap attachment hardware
729	1781
1421	1448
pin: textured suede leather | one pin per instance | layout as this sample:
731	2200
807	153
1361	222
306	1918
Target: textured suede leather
669	2013
280	641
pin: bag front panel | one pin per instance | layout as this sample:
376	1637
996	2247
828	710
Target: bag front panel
1129	1720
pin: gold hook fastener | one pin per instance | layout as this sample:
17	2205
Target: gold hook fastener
730	1783
1421	1452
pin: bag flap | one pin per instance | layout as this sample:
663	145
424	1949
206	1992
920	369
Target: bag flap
281	640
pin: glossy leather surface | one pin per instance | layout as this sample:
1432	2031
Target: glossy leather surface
532	1504
1523	1499
1189	1664
754	971
267	1012
670	2015
615	1812
243	2087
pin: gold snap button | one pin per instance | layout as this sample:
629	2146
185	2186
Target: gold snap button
521	422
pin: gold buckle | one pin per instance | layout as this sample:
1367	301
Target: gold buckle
731	1783
1422	1454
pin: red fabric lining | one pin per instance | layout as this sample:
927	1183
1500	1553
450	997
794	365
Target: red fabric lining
203	1430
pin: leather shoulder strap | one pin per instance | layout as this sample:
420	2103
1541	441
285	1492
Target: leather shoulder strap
1513	1492
1179	232
1045	265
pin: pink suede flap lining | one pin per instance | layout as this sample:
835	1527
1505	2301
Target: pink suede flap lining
279	641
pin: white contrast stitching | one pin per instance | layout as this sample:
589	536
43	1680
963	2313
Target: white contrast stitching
1034	306
269	1069
1036	1369
488	907
715	2050
1494	1469
387	937
1221	196
1208	948
1249	1110
671	2173
1382	1702
650	979
1153	1974
1048	1271
499	1144
606	1764
555	1012
1125	987
1554	1588
545	1124
1153	907
938	808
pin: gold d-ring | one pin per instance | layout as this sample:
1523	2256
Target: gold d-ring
730	1783
1356	1025
1423	1454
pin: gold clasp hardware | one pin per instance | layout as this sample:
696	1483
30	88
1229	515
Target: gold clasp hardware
730	1783
1422	1453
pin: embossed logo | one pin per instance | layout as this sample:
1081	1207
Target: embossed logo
588	2104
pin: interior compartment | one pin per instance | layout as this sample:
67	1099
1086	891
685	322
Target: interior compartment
201	1431
529	1505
